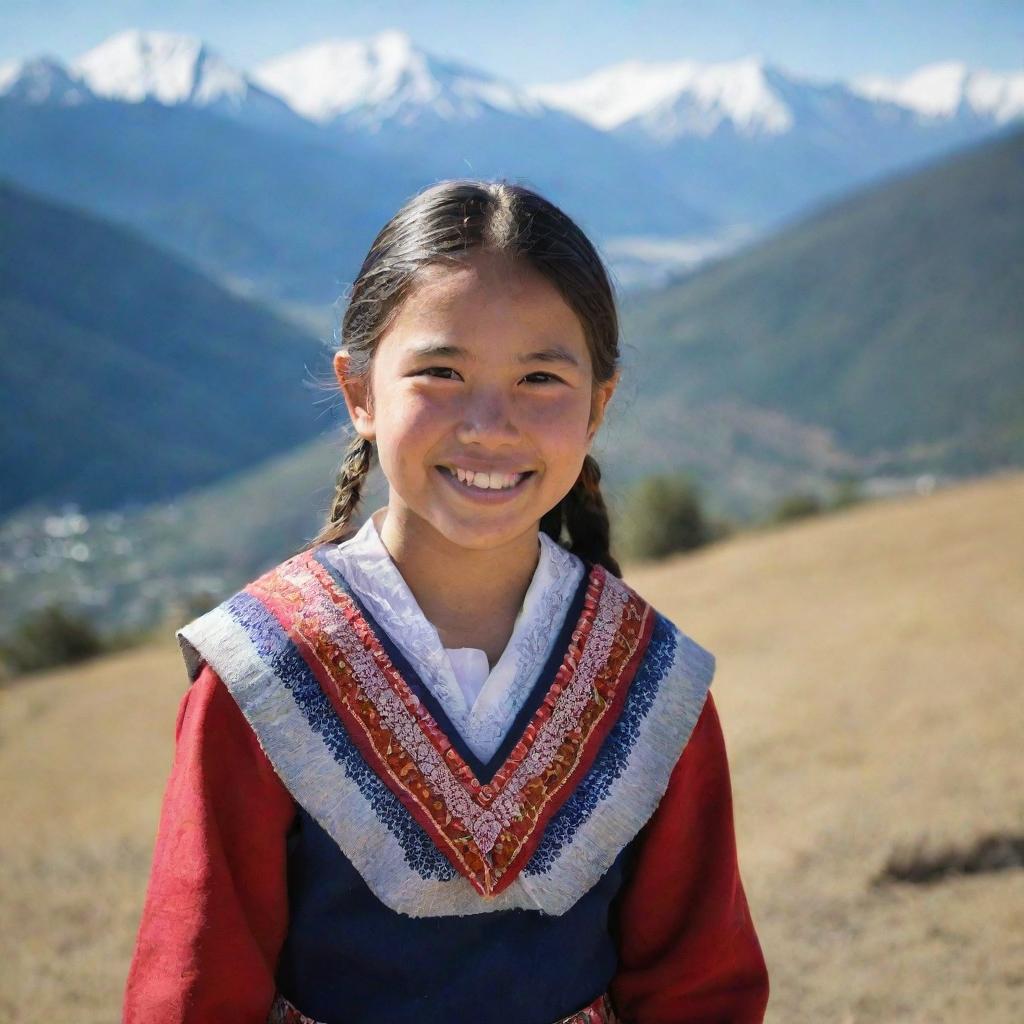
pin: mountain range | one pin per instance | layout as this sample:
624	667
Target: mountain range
274	179
386	77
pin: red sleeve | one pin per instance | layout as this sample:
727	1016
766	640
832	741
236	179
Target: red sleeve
216	907
688	951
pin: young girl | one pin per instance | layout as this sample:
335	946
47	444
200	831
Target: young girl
450	767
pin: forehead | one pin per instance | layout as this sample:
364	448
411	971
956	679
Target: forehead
487	297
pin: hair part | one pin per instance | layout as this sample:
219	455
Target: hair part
443	225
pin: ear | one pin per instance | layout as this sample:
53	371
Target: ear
602	395
356	396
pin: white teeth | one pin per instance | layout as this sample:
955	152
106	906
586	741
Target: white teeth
488	481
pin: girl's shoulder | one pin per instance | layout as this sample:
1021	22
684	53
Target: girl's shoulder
259	614
673	672
673	652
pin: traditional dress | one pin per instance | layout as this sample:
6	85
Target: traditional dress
363	826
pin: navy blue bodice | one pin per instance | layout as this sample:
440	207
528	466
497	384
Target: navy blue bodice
349	959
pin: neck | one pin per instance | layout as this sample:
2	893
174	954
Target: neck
457	587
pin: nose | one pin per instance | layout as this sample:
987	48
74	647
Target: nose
488	418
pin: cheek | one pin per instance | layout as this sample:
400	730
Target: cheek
414	428
411	415
564	423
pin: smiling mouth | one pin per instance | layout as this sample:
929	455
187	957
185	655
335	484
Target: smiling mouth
508	481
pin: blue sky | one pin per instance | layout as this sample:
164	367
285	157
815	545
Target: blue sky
551	40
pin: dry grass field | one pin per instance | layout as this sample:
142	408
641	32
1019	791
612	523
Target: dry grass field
870	670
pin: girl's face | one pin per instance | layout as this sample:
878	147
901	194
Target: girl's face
486	368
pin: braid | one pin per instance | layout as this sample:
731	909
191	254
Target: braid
586	517
355	465
551	522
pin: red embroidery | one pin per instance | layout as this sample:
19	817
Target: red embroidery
489	832
600	1011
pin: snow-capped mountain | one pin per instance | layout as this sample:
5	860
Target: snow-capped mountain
386	78
404	104
43	80
674	97
174	69
667	101
671	100
664	156
947	89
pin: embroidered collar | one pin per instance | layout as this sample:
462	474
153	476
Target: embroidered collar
382	590
430	832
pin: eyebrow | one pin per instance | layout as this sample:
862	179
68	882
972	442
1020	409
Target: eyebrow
552	354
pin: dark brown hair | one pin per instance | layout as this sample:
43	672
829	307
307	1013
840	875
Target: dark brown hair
443	224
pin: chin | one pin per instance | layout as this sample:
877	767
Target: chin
481	537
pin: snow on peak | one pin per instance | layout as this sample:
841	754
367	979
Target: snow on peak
942	89
673	98
169	67
384	76
395	42
42	80
934	90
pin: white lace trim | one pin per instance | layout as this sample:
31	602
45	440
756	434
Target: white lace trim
454	675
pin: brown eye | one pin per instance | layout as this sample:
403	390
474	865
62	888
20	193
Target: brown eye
541	373
443	369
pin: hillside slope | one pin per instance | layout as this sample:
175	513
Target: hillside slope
127	375
882	334
868	684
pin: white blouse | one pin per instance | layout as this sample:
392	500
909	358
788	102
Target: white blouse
481	702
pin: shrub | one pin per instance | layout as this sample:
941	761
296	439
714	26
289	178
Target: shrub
847	491
49	637
796	506
664	515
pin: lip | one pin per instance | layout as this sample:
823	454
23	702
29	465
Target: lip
489	497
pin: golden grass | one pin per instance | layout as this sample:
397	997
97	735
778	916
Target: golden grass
869	682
